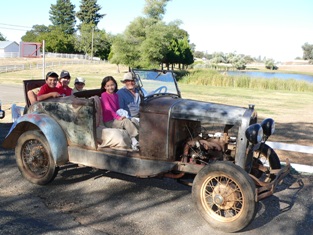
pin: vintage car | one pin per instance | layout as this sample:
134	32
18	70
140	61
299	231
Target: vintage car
217	149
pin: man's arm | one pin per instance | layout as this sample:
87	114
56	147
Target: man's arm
48	95
122	100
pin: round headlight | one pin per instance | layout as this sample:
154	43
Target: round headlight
254	133
268	126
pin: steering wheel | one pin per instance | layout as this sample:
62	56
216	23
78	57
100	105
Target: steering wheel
159	90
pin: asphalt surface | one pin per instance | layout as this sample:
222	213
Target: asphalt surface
83	200
10	94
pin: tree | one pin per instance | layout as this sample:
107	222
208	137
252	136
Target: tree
270	64
58	41
102	45
126	48
238	62
62	15
307	51
122	52
34	34
186	55
84	39
155	48
93	41
155	9
218	57
199	54
2	38
89	12
151	42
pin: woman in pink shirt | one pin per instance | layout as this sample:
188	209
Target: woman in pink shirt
110	105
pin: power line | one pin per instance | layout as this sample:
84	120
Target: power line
20	26
13	29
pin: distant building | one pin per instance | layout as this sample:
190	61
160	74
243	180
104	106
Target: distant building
30	49
9	49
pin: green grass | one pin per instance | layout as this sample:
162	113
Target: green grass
208	77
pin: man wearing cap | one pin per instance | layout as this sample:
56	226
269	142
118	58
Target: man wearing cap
78	85
63	83
49	90
128	96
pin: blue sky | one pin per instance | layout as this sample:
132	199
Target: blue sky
268	28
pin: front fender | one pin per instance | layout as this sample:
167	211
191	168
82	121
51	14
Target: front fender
48	126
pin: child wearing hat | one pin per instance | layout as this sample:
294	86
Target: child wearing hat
49	90
63	83
79	84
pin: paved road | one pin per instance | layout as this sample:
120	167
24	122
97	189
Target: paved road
11	94
89	201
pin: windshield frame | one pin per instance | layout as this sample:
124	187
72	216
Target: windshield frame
162	81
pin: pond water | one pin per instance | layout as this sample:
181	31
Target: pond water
308	78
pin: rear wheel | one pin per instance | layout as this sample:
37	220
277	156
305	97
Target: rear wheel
34	158
225	196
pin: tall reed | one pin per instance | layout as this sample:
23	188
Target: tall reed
207	77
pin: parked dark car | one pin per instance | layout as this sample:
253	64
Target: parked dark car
218	149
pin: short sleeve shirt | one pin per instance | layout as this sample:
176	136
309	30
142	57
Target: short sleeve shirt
45	89
66	91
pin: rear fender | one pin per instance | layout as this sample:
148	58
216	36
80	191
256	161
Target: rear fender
48	126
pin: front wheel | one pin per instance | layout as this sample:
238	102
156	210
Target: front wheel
34	158
225	196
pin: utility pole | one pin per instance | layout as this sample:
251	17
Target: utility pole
43	59
92	32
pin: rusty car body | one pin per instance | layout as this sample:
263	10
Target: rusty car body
219	149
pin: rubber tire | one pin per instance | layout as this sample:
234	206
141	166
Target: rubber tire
246	189
273	160
31	174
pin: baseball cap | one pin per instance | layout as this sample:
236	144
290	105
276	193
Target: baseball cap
52	74
79	80
128	77
64	74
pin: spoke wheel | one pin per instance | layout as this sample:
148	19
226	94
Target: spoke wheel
264	160
34	158
225	196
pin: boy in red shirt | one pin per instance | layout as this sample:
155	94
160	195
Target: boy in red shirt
64	80
49	90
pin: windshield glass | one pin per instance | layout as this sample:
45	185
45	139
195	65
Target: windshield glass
157	82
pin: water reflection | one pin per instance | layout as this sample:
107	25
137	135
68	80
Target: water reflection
308	78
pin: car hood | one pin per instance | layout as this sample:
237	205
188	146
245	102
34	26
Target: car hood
210	112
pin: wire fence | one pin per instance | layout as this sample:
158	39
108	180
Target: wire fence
73	59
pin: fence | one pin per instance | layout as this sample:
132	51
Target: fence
9	55
71	56
73	59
